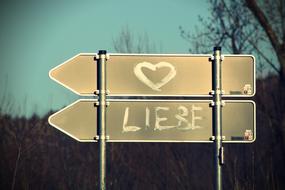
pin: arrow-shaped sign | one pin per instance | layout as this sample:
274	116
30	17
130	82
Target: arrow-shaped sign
157	75
78	120
157	121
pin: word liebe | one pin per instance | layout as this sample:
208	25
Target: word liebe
181	116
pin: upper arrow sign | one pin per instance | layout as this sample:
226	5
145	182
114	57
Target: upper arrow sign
78	74
157	75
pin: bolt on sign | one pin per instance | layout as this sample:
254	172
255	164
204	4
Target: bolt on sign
158	121
158	75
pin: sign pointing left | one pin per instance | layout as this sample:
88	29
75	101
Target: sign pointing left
78	120
157	121
157	75
78	74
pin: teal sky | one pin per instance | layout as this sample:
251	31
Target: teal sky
36	36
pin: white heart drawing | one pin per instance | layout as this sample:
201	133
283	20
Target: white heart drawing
154	86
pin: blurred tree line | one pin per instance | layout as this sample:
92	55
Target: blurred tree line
36	156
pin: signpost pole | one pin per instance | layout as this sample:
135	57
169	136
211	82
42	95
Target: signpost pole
217	115
101	114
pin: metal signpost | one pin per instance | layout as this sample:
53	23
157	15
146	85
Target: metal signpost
217	114
158	98
101	114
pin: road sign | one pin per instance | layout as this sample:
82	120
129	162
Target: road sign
158	75
78	120
157	121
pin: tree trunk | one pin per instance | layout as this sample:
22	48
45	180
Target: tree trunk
281	59
16	168
278	46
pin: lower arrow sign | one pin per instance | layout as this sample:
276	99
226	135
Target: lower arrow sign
78	120
157	121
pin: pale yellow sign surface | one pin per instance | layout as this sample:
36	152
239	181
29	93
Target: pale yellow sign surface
158	75
157	121
78	120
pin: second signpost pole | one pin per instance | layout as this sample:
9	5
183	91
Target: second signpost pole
217	115
101	114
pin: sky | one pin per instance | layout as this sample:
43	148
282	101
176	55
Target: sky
36	36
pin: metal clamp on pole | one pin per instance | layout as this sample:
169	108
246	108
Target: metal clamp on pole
217	114
101	113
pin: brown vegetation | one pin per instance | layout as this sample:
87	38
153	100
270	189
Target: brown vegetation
35	155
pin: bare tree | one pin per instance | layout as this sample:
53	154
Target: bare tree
127	42
244	27
255	27
226	27
233	26
270	14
